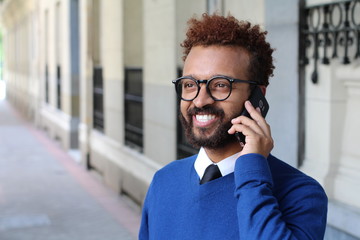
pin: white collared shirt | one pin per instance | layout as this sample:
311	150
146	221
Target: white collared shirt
226	165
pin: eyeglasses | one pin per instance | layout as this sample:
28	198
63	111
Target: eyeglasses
218	87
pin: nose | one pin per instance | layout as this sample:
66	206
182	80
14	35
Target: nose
203	97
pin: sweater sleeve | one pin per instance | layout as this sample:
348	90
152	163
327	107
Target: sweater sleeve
300	213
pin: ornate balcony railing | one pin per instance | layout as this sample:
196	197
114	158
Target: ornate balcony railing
329	31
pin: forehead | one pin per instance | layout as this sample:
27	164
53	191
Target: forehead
207	61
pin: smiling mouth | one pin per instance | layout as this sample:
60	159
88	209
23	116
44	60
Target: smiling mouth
204	118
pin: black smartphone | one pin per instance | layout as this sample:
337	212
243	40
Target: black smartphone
258	100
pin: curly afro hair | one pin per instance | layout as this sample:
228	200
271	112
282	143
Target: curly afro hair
228	31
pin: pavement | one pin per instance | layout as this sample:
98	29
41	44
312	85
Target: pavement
46	195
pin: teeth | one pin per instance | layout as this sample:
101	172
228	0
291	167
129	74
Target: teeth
204	118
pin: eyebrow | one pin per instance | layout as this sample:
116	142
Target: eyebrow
217	74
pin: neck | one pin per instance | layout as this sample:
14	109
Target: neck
216	155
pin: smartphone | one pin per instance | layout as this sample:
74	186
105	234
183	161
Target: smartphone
258	100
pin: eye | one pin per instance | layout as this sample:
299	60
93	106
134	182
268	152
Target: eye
220	84
188	84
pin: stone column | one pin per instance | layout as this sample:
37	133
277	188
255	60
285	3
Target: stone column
111	55
85	78
347	179
159	70
325	109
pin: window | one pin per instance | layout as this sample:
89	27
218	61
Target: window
98	99
58	87
183	149
134	108
46	84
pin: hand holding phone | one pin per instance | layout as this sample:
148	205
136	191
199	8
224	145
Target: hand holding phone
258	100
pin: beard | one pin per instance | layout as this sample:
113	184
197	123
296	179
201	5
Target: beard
218	139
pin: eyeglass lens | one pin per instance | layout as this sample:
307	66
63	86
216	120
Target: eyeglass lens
219	88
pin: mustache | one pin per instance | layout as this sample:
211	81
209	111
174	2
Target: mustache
206	110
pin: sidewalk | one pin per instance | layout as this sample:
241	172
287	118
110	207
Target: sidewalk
45	195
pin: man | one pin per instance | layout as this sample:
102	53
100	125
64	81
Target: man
255	195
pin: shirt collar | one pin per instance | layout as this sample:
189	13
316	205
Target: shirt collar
202	161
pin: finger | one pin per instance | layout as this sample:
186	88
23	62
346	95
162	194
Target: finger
242	120
255	114
234	129
246	130
258	122
252	137
256	143
252	111
258	118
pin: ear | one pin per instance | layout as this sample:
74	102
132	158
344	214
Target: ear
263	89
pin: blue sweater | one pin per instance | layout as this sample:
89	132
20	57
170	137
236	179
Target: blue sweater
262	199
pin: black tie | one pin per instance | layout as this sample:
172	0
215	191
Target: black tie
211	172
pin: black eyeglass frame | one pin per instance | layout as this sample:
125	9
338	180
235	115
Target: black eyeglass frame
207	81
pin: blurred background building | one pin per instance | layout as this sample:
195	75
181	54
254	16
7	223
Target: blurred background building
96	76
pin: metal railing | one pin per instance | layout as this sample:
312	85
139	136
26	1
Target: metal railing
329	31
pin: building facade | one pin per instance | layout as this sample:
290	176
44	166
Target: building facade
96	76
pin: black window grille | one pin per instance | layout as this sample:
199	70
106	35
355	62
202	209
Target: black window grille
328	31
134	108
58	86
46	84
98	99
184	149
